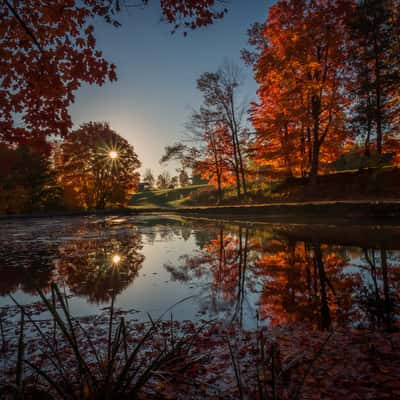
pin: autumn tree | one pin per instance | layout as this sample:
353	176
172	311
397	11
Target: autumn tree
27	180
215	134
300	66
304	281
220	92
208	151
375	68
97	166
379	298
88	265
277	144
224	263
48	49
212	139
47	52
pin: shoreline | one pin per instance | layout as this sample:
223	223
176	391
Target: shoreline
359	210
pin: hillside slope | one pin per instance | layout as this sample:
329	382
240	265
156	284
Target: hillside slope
163	197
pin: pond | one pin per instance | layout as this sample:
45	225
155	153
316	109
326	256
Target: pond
251	273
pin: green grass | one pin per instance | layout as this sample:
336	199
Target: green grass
163	197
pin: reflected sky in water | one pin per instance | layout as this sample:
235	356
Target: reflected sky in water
250	273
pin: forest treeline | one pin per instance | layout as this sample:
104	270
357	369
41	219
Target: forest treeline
328	77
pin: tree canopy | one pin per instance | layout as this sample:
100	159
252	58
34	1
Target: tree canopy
48	49
97	166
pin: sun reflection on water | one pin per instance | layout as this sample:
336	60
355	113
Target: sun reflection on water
116	259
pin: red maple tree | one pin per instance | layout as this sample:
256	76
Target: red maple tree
48	49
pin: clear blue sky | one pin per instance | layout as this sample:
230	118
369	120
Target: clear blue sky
157	72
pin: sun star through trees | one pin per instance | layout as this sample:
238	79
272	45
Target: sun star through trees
113	154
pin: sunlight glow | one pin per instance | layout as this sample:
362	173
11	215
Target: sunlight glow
113	154
116	259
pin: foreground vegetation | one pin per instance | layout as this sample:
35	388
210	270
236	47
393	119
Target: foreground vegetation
112	357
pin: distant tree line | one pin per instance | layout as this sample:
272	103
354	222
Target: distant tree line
93	168
165	180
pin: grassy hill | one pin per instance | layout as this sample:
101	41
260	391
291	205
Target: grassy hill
163	197
372	184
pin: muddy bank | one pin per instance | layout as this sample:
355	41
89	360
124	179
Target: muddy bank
308	212
385	211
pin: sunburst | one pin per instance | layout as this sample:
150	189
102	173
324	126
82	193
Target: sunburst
116	259
113	154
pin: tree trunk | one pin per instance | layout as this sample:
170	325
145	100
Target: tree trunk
369	116
236	166
218	171
378	94
325	321
230	112
316	111
219	184
314	165
242	171
367	150
386	291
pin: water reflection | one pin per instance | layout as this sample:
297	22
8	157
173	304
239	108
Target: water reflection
379	295
98	268
222	264
94	259
273	274
248	272
305	282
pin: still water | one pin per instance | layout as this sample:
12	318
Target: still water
251	273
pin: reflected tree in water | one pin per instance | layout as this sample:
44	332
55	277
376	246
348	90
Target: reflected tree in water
304	281
224	260
288	281
98	268
166	232
379	292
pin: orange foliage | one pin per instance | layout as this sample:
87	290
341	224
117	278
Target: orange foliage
305	283
46	53
215	165
300	116
48	49
90	176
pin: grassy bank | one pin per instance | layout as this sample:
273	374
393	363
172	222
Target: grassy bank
370	193
373	184
335	211
365	184
165	197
